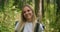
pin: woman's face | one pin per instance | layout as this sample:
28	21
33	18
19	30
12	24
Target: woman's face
27	13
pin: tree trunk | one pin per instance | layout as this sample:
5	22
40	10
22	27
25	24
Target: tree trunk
58	14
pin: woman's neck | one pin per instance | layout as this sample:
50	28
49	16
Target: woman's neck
29	20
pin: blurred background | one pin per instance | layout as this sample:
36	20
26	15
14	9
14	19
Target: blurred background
48	12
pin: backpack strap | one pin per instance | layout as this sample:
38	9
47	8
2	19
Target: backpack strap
36	27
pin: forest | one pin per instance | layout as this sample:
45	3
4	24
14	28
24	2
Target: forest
48	12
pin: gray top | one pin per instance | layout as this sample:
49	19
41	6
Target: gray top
29	27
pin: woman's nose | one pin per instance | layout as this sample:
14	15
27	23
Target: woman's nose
26	13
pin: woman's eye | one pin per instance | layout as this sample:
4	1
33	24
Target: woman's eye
28	10
24	12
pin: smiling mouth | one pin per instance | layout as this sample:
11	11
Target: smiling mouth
28	16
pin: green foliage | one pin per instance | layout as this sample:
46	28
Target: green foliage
7	17
51	17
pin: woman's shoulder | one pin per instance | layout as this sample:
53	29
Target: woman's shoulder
41	26
16	25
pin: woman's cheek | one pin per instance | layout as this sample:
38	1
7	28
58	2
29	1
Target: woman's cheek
31	14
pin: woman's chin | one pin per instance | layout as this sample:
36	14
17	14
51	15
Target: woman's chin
28	18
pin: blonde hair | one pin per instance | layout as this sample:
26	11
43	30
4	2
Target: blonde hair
23	20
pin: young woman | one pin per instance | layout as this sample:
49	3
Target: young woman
28	21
